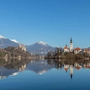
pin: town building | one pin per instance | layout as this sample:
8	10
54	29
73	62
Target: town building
71	45
66	49
77	50
87	51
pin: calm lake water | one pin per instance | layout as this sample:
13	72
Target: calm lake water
45	75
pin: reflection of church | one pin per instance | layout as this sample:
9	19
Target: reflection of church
71	71
66	67
71	67
42	66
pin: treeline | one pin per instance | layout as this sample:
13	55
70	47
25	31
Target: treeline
13	52
59	54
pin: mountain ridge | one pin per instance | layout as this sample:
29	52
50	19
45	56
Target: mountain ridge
39	48
5	42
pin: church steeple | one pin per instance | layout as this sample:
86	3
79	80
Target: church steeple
71	45
71	40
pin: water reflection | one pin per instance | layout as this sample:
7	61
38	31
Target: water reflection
5	72
39	66
13	67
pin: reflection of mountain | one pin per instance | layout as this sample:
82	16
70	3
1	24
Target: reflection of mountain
40	66
4	72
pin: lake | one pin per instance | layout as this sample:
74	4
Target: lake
45	75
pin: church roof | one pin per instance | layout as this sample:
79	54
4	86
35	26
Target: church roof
66	47
77	49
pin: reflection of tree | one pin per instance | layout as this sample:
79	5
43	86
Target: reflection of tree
37	65
49	62
16	64
59	64
49	54
68	64
2	62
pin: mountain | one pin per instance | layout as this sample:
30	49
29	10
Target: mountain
5	42
14	41
39	48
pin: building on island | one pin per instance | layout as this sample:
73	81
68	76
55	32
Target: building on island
71	45
77	50
66	49
87	51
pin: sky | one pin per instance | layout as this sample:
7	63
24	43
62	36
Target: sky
50	21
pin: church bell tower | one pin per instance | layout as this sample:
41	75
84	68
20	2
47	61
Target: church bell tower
71	45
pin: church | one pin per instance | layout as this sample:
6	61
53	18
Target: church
66	49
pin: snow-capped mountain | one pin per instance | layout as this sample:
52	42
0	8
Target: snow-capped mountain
14	41
36	48
5	42
39	48
1	37
42	43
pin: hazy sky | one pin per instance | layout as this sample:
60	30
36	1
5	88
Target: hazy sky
51	21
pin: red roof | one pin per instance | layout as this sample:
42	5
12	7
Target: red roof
86	50
65	47
77	49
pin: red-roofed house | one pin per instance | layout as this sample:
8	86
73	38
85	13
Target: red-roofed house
77	50
66	49
87	51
